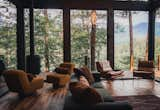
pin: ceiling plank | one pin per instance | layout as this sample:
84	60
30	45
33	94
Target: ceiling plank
85	4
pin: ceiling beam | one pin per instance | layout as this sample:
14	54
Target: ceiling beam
85	4
155	4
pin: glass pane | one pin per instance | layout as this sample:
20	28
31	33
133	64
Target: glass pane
27	31
157	37
81	36
140	33
122	40
8	34
49	37
101	36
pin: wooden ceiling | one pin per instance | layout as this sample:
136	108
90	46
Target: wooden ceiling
88	4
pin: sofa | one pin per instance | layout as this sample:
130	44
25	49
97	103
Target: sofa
108	102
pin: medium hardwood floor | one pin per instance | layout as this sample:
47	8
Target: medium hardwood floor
44	99
49	99
132	87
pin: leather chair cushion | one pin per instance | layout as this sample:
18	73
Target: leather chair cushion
84	94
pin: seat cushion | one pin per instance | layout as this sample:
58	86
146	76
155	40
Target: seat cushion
84	94
106	66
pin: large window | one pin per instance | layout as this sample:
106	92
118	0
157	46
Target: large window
48	37
157	36
81	28
131	29
122	40
8	34
140	34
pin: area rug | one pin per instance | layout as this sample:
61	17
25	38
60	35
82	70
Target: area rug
143	102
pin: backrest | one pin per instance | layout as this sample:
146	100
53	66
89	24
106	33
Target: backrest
103	66
146	65
68	65
17	80
99	66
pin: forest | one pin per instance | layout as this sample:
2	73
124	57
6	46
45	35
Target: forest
48	32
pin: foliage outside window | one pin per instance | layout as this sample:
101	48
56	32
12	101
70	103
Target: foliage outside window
48	37
81	36
8	34
133	23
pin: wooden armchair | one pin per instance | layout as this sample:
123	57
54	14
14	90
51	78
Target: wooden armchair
106	71
146	69
17	81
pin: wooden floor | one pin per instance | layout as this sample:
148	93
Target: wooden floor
44	99
132	87
49	99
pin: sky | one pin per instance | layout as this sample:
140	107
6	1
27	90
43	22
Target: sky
139	17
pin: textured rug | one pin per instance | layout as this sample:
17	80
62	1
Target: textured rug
144	102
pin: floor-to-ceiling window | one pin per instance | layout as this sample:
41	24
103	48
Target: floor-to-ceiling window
140	36
131	34
48	31
81	31
8	34
157	37
122	40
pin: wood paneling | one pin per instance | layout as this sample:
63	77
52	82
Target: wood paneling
86	4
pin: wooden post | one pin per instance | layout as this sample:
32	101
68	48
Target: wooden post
110	37
151	34
66	36
20	39
31	21
93	38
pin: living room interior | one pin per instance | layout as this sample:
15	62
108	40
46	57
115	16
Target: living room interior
79	55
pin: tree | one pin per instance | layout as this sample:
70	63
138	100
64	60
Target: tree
93	38
46	52
131	41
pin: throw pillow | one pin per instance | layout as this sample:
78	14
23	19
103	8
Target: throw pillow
78	72
83	80
88	75
62	70
84	94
